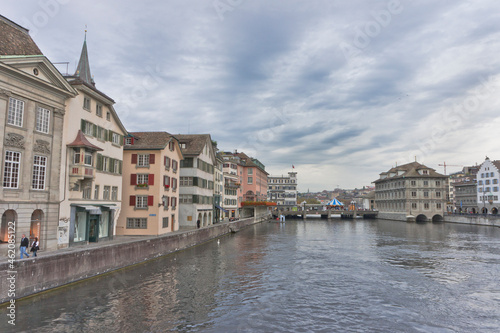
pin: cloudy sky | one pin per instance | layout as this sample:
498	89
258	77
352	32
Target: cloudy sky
342	90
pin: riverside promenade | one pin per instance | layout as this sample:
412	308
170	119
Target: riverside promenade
52	269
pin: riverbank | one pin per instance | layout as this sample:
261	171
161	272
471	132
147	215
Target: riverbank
54	269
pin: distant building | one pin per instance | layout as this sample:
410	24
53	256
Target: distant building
254	178
196	199
488	178
463	193
232	196
150	184
411	190
283	189
369	201
33	95
218	189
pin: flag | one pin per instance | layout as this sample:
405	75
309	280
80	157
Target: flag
293	167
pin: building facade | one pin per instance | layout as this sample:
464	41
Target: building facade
33	95
233	195
488	178
283	189
91	163
150	184
410	191
196	190
253	178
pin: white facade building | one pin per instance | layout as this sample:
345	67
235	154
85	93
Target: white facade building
283	189
488	186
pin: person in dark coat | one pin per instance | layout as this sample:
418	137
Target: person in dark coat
25	242
198	224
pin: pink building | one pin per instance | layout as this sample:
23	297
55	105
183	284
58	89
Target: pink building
253	177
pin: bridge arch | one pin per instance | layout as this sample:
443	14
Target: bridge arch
421	218
437	219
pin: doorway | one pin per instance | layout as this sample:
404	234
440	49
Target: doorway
94	228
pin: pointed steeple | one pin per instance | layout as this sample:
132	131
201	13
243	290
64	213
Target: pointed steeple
83	69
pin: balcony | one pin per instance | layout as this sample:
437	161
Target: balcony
81	171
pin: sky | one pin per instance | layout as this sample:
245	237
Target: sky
340	90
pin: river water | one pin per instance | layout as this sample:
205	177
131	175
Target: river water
301	276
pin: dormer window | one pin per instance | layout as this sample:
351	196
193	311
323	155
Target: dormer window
129	141
425	172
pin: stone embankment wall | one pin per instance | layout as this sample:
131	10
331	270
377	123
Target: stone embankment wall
392	216
473	219
56	269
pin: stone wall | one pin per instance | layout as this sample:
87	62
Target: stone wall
60	268
473	219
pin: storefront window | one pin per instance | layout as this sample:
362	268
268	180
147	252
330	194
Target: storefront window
80	226
104	224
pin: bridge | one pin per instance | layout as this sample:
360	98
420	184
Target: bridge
322	212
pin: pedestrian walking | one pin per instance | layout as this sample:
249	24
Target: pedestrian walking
24	245
35	247
198	224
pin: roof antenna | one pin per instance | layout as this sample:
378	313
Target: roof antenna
85	33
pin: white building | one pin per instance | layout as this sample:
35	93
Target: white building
283	189
91	163
232	186
196	188
488	178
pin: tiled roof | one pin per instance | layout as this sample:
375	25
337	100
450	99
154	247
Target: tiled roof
15	40
81	141
409	170
149	140
496	164
194	143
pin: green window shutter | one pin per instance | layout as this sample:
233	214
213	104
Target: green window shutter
83	126
121	140
94	130
195	181
99	162
120	167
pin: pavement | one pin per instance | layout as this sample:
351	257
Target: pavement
75	248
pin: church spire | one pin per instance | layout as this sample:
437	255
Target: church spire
83	69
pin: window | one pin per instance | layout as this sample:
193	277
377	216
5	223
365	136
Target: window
426	183
165	222
438	183
186	181
413	183
89	128
188	162
114	193
438	194
166	182
39	171
174	165
87	191
143	160
165	201
173	202
137	223
42	120
492	174
11	169
108	116
495	181
116	138
86	103
250	171
426	194
487	182
174	184
16	110
495	189
128	141
142	178
166	161
480	182
438	206
250	180
105	193
96	192
141	201
88	158
426	205
98	110
414	205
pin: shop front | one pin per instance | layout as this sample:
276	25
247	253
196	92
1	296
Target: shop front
91	223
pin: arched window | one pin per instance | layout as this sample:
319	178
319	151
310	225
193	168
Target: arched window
8	216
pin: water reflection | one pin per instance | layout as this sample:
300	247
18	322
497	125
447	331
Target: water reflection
343	275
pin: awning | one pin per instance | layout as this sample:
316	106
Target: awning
93	210
225	211
112	207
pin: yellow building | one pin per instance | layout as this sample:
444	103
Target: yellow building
150	184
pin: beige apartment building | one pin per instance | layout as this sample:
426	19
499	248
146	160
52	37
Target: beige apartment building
150	184
411	191
91	163
33	95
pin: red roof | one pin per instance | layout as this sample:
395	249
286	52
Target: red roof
81	141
